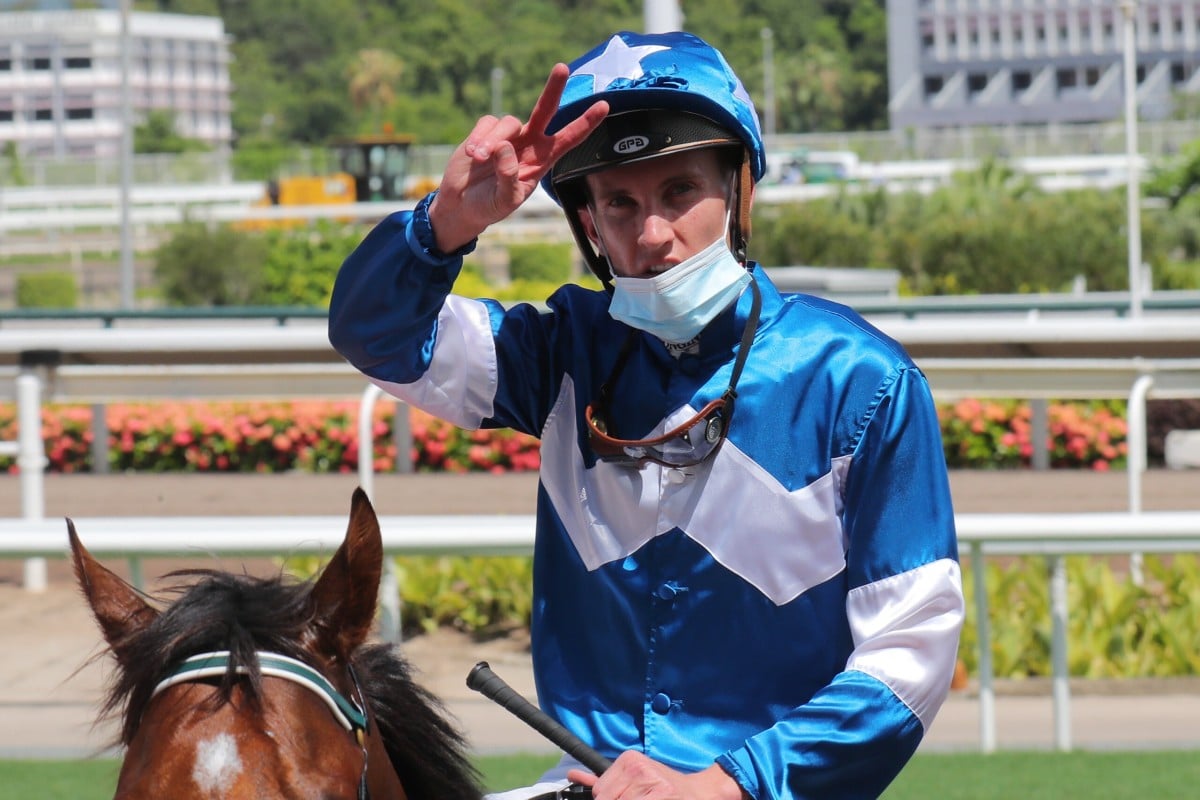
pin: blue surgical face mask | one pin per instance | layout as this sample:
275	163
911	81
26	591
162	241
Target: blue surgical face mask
677	304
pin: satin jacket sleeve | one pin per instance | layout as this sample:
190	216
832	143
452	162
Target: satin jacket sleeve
905	611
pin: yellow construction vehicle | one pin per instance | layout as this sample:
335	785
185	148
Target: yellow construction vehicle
370	168
381	167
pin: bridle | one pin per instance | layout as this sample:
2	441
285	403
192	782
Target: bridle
350	714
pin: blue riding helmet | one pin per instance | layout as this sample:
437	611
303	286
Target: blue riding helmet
665	72
667	93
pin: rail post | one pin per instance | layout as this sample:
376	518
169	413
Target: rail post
1060	682
389	584
1136	440
987	689
31	462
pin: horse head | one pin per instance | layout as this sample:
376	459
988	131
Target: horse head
245	687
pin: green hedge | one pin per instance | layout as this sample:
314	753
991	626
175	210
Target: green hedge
988	231
203	265
953	242
543	262
47	290
1116	628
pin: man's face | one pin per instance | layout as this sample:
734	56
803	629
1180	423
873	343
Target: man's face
648	216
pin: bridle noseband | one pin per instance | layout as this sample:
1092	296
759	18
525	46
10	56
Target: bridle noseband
350	714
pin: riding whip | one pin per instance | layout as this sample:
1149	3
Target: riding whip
483	680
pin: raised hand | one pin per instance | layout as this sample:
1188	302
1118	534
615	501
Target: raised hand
499	165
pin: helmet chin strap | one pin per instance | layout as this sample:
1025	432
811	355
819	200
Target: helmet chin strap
597	263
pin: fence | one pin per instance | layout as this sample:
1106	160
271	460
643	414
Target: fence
295	360
82	219
1155	138
1052	535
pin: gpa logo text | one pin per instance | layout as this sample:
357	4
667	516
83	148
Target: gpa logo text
631	144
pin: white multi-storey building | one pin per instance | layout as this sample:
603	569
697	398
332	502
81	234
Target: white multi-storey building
61	72
1027	62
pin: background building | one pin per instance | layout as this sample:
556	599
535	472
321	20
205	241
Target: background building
60	79
1018	62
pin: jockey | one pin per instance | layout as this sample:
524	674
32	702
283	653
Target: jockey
745	572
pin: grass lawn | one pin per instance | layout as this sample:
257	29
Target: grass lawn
1169	775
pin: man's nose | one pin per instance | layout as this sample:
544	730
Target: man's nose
656	232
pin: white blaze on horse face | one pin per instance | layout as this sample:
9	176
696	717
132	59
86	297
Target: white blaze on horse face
217	764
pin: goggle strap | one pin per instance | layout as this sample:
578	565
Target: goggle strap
744	348
618	367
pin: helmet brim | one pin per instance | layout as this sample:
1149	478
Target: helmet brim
632	136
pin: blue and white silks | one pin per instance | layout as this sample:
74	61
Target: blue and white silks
790	608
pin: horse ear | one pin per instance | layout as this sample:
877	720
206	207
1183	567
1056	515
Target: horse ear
119	609
347	593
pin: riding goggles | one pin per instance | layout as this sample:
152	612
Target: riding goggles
686	445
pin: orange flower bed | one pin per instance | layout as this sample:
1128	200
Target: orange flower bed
313	436
322	436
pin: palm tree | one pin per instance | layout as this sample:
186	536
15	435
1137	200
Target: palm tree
372	76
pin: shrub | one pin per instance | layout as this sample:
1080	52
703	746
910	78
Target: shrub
322	436
471	283
1116	627
301	264
12	171
211	266
260	159
541	262
996	434
46	290
484	596
815	234
990	231
314	436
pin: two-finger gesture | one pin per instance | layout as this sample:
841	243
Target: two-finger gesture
499	165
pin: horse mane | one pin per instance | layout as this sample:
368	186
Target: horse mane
427	751
244	614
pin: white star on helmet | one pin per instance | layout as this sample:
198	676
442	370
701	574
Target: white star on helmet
618	60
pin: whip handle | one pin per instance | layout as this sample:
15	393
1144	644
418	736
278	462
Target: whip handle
483	680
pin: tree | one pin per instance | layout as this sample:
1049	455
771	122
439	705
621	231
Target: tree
813	96
1178	178
16	172
210	266
295	53
866	40
372	77
294	63
157	134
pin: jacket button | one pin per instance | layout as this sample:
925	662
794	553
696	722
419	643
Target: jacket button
666	592
661	704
